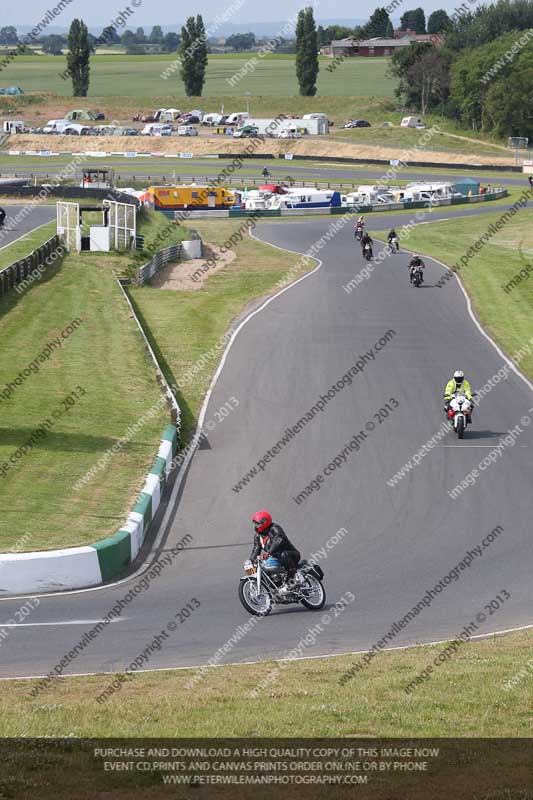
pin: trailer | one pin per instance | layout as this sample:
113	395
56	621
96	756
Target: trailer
172	198
272	127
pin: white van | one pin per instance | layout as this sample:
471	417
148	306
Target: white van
156	129
412	122
56	125
187	130
13	126
211	119
237	118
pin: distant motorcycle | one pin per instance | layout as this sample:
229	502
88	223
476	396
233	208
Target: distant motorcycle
359	233
394	244
459	413
367	251
262	586
417	276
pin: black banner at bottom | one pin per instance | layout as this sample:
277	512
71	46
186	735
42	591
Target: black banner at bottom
378	769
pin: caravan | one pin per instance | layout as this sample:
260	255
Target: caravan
417	192
367	195
412	122
273	196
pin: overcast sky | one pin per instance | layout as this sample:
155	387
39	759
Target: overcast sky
163	12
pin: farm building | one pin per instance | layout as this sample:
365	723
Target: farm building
376	46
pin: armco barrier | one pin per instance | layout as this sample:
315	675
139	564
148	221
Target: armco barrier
90	565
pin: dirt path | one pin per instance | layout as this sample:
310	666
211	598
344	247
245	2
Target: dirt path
188	276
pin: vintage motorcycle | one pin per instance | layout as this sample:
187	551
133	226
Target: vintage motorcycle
263	586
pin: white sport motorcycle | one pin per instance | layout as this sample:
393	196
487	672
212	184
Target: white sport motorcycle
459	413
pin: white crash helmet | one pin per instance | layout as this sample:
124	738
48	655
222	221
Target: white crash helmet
458	376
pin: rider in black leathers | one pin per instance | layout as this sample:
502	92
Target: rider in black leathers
272	540
414	263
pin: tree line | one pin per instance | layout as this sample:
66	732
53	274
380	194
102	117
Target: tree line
481	76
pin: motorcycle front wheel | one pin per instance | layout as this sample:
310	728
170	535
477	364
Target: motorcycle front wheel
460	428
258	604
313	593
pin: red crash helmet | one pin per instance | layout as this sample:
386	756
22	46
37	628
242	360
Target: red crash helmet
261	520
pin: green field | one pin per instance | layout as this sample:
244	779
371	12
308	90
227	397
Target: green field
138	76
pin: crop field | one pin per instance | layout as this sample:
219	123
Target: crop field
140	76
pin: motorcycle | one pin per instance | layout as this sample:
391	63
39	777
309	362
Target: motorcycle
417	276
359	233
262	586
394	244
367	251
459	411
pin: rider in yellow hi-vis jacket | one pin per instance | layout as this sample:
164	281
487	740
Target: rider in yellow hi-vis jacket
457	384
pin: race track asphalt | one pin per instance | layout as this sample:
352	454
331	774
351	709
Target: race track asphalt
399	541
16	226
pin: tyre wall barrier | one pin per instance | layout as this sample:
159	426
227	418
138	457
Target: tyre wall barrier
106	559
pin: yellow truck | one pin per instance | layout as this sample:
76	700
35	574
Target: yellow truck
171	198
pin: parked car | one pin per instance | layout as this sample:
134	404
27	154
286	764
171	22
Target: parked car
187	130
287	134
360	123
130	132
246	130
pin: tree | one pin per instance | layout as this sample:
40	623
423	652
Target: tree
170	43
414	20
140	37
389	33
109	35
193	51
156	36
78	58
127	39
306	52
241	41
439	22
400	64
509	104
53	45
333	33
8	35
429	79
377	24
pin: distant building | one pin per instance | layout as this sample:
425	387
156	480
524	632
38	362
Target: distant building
346	48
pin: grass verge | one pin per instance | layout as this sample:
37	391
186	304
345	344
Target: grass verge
482	691
24	246
104	356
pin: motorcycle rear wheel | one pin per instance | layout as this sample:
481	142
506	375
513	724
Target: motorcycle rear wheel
316	594
249	598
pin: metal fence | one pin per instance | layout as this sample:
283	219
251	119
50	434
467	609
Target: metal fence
20	270
164	256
